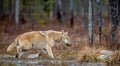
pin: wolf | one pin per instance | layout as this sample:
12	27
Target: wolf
43	40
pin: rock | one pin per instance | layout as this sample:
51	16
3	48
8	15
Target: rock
102	57
10	56
106	52
33	55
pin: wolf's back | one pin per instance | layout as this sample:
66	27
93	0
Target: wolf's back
11	47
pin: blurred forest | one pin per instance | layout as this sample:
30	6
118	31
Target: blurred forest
93	22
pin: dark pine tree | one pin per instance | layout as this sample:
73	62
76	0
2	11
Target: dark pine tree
114	12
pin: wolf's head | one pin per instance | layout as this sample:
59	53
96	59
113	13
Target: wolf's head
66	38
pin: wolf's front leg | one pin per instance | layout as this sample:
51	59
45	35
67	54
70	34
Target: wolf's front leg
44	50
19	52
18	55
49	50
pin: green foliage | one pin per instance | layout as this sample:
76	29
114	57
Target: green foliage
42	22
37	10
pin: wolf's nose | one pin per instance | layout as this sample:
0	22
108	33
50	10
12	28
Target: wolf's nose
68	44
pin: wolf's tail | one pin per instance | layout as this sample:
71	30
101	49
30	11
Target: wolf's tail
11	47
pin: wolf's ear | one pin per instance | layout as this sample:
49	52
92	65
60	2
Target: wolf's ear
62	31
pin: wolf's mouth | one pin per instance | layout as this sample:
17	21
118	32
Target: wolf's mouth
68	44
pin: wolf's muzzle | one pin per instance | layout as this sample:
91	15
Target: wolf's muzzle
68	44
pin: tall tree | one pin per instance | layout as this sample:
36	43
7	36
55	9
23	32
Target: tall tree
90	26
1	7
52	11
114	12
60	12
31	11
10	8
17	11
24	4
99	18
71	12
85	11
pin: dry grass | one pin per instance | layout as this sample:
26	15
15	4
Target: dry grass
116	57
89	54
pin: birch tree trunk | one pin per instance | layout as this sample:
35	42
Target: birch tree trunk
90	23
17	11
99	18
52	11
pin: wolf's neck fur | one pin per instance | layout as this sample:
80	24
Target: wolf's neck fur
55	35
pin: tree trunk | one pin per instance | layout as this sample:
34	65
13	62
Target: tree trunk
1	7
114	18
71	12
31	11
60	12
24	4
17	11
10	8
51	12
99	18
90	23
85	16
